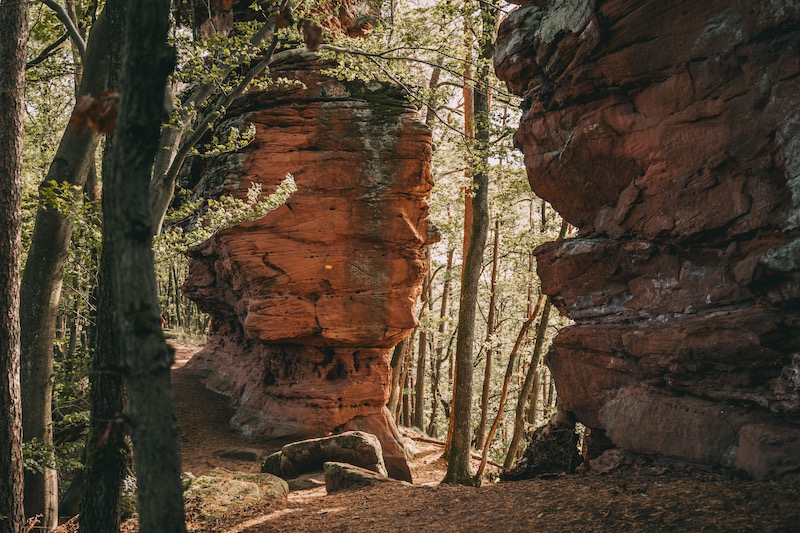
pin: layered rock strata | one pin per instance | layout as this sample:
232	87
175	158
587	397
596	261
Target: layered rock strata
307	302
668	133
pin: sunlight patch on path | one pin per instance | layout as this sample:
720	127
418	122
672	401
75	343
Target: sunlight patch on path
261	520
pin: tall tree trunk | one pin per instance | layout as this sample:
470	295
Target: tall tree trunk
148	60
525	390
396	366
533	402
448	273
468	95
551	393
523	331
43	276
422	351
13	44
458	469
531	277
106	451
407	356
490	324
419	383
436	371
407	407
177	295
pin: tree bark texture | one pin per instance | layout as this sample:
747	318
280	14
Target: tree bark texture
533	402
147	357
106	450
40	290
13	39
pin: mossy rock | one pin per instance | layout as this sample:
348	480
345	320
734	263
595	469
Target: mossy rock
272	464
222	491
343	476
352	447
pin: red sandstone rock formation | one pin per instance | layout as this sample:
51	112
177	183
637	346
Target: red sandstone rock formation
307	301
668	133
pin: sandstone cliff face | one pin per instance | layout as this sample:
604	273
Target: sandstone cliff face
307	301
668	133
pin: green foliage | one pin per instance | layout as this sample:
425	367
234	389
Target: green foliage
193	222
36	456
235	139
212	215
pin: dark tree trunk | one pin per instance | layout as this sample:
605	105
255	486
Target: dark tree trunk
422	352
13	39
147	357
403	407
396	366
437	371
106	451
407	398
533	403
40	290
480	435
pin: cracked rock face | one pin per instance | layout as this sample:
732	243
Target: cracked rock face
668	133
307	301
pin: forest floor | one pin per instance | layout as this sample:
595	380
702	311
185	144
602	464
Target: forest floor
650	497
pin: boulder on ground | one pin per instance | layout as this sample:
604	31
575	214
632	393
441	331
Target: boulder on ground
343	476
353	447
272	464
216	493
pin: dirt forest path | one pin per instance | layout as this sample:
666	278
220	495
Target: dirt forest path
648	498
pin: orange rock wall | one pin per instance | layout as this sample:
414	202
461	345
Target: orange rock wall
668	133
307	302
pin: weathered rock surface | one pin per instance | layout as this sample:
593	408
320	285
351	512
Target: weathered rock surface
344	476
307	301
222	491
668	133
353	447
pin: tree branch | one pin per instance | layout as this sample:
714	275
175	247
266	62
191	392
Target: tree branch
65	19
167	164
384	55
47	52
